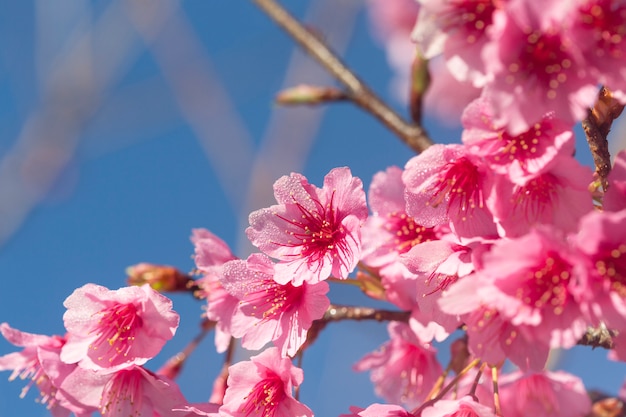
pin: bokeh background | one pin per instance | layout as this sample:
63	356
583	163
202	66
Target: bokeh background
125	124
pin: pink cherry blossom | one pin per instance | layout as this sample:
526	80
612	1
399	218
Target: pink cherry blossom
602	241
313	232
114	329
264	386
445	184
269	311
543	394
463	407
535	65
39	362
378	410
615	197
558	195
519	157
404	369
135	391
211	253
530	299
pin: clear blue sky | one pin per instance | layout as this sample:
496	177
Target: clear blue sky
122	129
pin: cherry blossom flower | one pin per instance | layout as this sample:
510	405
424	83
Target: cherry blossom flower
313	232
543	394
519	157
536	67
615	197
269	311
404	369
211	253
602	241
530	301
39	362
445	184
378	410
463	407
263	386
114	329
136	391
558	195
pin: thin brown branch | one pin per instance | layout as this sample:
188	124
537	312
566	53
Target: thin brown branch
413	135
597	126
339	313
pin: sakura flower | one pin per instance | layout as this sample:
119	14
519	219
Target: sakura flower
519	157
264	386
558	195
615	196
463	407
447	184
543	394
136	391
211	253
405	369
531	297
601	239
313	232
114	329
536	67
39	362
269	311
378	410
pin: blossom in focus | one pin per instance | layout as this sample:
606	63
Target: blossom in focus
313	232
404	369
264	386
114	329
543	394
269	311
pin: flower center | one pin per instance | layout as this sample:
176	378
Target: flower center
117	327
612	267
460	181
406	232
547	284
264	398
471	18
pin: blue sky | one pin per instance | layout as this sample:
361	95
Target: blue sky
122	128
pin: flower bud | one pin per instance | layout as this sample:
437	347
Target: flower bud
161	278
309	94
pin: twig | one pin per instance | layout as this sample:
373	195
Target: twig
413	135
339	313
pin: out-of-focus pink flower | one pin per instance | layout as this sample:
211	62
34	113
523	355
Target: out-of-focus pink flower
211	253
136	391
543	394
445	184
463	407
269	311
602	240
615	196
114	329
404	369
313	232
39	362
264	386
378	410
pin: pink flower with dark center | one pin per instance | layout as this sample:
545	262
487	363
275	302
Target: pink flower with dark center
404	369
313	232
463	407
543	394
447	184
602	240
263	386
269	311
40	364
136	391
536	67
556	196
114	329
517	156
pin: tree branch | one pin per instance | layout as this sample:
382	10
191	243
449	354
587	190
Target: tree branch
413	135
